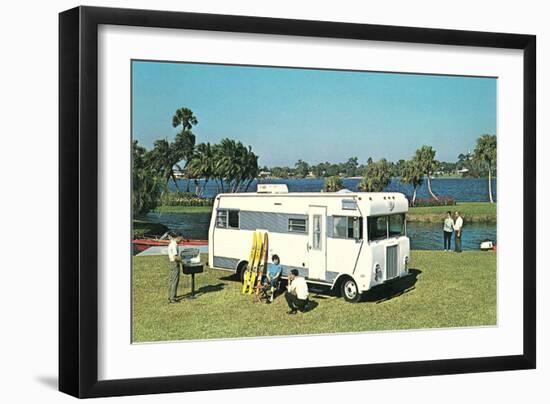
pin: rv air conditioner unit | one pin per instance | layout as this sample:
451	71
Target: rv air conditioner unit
272	189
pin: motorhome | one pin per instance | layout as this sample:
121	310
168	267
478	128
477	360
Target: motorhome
348	241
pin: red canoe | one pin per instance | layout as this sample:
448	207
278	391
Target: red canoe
142	244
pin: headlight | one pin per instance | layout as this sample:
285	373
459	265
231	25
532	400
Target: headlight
406	262
377	273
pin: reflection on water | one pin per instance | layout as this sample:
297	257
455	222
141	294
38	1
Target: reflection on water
429	236
190	225
424	236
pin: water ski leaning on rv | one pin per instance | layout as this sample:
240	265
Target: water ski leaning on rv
347	241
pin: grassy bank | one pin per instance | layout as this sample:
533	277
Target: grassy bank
145	227
446	290
183	209
471	211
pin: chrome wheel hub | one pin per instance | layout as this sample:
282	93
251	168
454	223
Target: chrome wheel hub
350	289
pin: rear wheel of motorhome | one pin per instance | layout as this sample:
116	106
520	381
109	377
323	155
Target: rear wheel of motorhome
350	291
241	269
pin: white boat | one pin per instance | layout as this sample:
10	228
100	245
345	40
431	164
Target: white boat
486	245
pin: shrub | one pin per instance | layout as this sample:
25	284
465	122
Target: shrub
443	201
185	199
333	184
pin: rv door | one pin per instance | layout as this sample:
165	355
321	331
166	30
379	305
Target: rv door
317	243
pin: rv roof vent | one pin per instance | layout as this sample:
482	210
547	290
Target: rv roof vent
272	189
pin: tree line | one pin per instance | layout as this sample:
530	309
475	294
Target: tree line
233	166
376	175
352	168
230	164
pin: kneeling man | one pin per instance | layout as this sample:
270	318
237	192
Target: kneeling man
297	292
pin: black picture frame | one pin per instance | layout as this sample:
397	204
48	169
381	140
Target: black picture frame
78	196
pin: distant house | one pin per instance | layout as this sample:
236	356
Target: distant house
463	171
264	174
179	174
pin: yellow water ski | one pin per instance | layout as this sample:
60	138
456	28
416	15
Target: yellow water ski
257	257
248	270
264	256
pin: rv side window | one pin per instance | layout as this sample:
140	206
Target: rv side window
348	227
227	219
233	219
221	218
355	228
378	227
396	225
297	225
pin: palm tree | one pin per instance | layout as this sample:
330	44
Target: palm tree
201	165
185	140
252	168
146	185
377	176
333	184
183	148
485	153
163	159
236	165
425	159
185	118
225	168
412	174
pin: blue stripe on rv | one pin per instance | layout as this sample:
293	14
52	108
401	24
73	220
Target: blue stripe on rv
270	221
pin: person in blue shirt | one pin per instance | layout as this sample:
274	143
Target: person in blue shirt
272	275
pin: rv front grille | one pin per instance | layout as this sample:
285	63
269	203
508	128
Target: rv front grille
391	262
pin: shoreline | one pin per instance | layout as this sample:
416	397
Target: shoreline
475	211
437	218
442	177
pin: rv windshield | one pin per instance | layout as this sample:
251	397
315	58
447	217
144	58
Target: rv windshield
396	225
378	227
381	227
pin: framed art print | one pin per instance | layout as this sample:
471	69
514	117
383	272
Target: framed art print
250	201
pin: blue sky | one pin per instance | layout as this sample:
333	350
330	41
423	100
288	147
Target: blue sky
314	115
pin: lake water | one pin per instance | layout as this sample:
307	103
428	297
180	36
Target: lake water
429	236
424	236
462	189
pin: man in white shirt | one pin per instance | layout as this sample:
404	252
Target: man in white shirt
297	292
174	259
458	232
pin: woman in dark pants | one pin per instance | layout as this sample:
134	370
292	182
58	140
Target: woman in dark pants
447	231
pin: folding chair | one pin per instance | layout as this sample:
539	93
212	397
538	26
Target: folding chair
268	290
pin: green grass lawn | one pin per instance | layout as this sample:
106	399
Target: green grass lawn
183	209
480	211
451	290
471	211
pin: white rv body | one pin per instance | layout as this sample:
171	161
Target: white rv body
325	236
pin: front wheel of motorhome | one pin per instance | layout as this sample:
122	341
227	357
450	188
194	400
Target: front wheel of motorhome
350	291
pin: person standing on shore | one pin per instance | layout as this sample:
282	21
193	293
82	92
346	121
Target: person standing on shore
458	232
174	260
448	228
